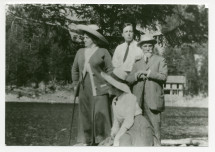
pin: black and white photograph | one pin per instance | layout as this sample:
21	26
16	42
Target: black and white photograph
106	75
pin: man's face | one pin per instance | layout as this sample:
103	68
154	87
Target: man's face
128	33
147	49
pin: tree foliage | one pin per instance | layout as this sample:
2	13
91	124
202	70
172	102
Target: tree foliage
39	47
111	17
37	51
181	61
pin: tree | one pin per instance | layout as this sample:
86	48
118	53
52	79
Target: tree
188	24
187	33
39	47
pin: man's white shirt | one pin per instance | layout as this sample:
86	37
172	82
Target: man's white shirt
134	53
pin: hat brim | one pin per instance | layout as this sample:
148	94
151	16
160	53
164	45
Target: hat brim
149	41
115	83
85	28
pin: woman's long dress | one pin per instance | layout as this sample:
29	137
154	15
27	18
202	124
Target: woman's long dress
94	120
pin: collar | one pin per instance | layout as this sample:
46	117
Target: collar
148	57
92	47
130	42
118	98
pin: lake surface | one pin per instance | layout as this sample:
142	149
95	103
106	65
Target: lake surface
49	124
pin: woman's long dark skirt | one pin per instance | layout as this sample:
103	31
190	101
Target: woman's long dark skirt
140	134
94	123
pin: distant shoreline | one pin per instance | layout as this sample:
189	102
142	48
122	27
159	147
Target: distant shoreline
67	97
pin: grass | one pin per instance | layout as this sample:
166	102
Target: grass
178	123
45	124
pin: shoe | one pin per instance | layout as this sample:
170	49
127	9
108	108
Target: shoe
94	144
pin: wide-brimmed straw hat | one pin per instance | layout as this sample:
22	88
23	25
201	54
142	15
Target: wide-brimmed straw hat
117	79
92	29
146	38
157	33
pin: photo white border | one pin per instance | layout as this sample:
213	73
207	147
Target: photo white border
211	120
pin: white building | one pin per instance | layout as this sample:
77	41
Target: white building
175	85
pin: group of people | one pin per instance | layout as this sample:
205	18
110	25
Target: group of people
134	76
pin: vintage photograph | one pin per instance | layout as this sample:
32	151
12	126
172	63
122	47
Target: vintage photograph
122	75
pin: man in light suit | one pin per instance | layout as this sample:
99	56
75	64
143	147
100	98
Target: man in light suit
147	78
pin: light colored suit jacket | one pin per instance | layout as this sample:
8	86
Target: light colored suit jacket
151	88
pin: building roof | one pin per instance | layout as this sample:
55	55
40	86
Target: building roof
176	79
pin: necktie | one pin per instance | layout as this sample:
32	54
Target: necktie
146	59
126	53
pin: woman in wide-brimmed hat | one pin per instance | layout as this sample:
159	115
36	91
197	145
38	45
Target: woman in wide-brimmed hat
94	122
130	128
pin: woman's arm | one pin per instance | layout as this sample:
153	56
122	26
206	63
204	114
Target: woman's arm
116	56
108	63
116	125
75	70
129	119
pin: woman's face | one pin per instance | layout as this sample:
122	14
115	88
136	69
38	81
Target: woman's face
88	42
